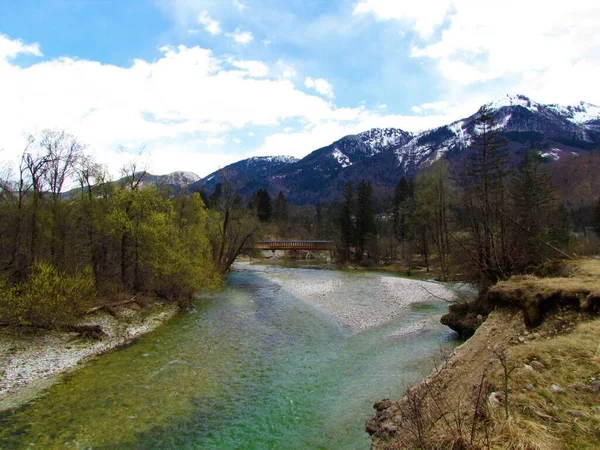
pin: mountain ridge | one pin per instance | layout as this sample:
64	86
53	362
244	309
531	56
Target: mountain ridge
384	155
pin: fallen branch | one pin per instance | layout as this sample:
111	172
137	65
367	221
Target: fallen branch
84	331
111	305
436	296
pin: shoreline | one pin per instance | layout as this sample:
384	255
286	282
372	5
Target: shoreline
34	360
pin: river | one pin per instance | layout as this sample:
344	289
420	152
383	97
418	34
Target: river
257	365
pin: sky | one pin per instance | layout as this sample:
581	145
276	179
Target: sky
195	85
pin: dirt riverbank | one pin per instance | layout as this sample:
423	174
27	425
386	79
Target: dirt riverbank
529	378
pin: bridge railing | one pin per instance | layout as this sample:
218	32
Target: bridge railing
294	245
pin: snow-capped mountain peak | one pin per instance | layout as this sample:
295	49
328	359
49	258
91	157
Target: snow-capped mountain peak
513	100
180	177
379	138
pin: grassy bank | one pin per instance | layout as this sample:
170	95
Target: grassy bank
529	378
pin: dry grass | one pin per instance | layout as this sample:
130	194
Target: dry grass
538	296
562	350
544	419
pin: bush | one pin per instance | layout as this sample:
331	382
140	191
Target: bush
49	298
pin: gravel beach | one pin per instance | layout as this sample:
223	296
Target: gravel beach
357	306
30	360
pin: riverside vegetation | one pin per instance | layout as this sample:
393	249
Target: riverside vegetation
63	254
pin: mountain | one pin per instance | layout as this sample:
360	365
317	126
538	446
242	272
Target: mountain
385	155
174	179
249	173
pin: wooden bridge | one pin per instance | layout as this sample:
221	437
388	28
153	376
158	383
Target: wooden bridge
295	245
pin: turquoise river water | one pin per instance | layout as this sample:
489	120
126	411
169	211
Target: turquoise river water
252	366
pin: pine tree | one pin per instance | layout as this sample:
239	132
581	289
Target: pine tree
365	216
534	205
401	194
280	210
264	207
346	220
318	220
596	218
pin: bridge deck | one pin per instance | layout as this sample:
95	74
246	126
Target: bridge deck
294	245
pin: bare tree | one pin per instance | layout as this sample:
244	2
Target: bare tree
63	152
235	228
35	163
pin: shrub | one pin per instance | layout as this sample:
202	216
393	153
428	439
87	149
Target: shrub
49	298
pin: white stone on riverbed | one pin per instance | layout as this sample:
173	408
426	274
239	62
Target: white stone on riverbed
33	356
354	303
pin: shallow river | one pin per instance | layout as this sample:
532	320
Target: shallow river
253	366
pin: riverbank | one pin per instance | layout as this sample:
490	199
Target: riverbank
535	358
30	360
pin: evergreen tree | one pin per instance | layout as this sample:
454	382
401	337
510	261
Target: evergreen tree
280	210
264	207
318	220
365	216
596	218
346	220
215	197
534	205
401	194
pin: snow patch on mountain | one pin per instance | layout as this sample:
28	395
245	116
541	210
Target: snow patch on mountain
579	114
463	137
284	159
342	159
553	153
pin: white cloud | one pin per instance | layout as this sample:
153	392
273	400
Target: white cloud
285	70
182	105
549	51
241	37
10	48
436	106
382	106
254	69
210	25
239	5
320	85
423	15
